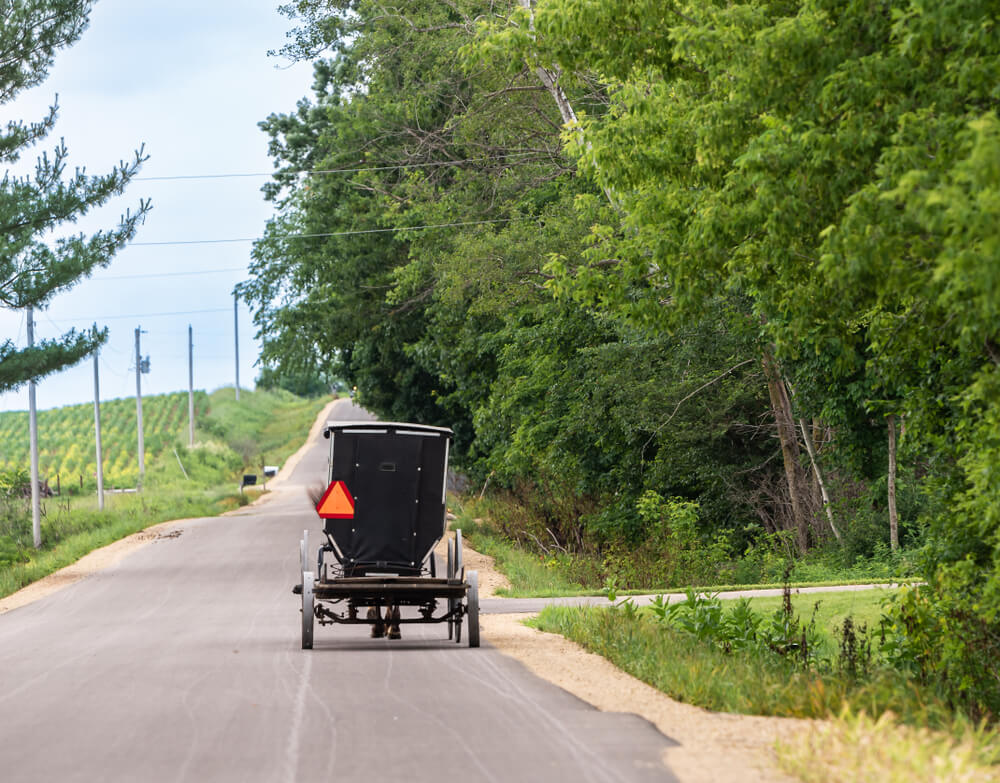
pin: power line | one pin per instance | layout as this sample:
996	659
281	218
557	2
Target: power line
148	315
357	170
172	274
327	234
110	369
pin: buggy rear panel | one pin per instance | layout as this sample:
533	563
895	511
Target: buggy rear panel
396	474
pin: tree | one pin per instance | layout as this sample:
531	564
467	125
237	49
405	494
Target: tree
410	127
33	267
834	164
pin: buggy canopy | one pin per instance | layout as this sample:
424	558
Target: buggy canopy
395	475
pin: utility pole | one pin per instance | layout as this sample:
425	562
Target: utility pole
36	506
236	332
97	433
190	386
138	405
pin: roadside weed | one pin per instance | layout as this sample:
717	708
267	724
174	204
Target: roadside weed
862	749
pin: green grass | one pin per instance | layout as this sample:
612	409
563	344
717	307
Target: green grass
527	573
263	428
689	670
699	673
856	747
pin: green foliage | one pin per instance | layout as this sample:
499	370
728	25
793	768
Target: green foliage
834	165
812	181
300	384
939	636
34	267
536	567
741	628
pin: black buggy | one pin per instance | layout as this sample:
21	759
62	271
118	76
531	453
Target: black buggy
384	512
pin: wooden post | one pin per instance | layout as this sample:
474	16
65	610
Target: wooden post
36	505
97	433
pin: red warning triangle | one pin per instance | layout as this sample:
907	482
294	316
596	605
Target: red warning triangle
336	502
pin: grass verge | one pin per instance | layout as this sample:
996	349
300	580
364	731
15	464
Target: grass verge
532	576
691	670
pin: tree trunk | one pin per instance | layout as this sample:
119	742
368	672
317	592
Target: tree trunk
807	439
550	78
781	407
893	517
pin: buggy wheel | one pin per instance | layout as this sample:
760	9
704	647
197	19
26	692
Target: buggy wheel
304	551
451	575
458	555
473	609
308	610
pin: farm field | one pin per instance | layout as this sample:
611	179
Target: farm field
66	442
263	427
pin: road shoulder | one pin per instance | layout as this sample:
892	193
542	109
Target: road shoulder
711	747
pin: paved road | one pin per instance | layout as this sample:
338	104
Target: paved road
182	663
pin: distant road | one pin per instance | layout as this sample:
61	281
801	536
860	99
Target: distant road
182	663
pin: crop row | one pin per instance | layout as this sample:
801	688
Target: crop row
67	446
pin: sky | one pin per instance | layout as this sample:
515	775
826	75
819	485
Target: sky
190	80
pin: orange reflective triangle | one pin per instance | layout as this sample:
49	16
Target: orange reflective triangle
336	502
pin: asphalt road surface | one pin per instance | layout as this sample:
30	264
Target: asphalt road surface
183	663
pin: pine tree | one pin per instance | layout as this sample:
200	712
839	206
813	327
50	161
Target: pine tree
33	270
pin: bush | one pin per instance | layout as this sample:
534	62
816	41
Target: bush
940	635
672	552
